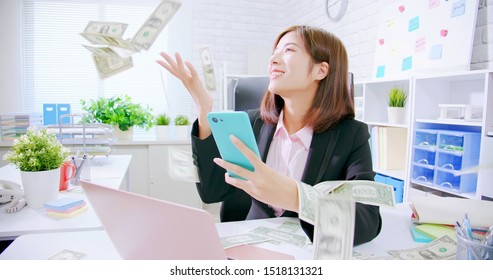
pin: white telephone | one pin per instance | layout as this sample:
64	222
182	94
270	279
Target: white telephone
10	190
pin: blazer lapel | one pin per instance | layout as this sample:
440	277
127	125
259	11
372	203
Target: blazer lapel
321	150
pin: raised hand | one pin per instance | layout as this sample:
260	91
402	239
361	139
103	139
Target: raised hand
189	76
263	183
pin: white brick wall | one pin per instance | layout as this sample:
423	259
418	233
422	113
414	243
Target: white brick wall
230	28
235	29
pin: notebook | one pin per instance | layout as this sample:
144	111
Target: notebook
142	227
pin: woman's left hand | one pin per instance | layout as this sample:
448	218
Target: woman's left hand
264	184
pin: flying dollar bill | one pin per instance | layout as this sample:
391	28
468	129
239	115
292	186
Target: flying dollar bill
334	229
109	66
115	29
368	192
152	27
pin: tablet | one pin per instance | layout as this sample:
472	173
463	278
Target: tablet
237	123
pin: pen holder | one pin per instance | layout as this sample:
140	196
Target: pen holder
473	249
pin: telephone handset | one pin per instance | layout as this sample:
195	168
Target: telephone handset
9	190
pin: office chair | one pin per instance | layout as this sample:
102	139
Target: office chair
247	93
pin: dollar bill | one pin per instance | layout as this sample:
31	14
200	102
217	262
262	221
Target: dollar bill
101	51
107	40
443	248
152	27
115	29
334	228
367	192
292	227
109	66
307	200
208	67
282	236
236	240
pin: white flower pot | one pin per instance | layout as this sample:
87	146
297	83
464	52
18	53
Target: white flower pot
40	186
182	131
162	131
396	115
124	135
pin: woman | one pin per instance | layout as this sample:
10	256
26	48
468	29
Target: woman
305	130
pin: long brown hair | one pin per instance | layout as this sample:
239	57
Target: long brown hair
332	102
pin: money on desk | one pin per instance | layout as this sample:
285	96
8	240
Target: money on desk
111	53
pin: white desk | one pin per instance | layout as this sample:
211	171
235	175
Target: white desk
106	171
395	234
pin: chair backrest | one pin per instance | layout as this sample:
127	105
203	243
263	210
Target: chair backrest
248	92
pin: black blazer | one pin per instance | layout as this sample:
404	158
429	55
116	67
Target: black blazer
340	153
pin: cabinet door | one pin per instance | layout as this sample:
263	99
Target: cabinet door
162	184
139	167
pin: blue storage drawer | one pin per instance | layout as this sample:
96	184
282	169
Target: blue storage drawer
463	184
426	138
396	183
423	174
424	156
449	160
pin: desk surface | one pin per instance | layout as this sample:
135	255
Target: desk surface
96	244
106	171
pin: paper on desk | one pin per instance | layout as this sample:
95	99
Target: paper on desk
449	210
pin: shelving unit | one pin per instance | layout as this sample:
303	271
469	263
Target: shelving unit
84	138
427	168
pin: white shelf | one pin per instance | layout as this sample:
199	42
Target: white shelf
450	122
426	92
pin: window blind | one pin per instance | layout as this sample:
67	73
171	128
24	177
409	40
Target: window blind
56	68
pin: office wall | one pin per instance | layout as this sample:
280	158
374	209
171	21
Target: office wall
240	34
358	30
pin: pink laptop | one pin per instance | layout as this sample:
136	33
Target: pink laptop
142	227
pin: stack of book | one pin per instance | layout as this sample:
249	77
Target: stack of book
66	207
13	125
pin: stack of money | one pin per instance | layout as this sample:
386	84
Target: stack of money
111	53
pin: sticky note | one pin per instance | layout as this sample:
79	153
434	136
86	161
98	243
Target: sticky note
407	63
436	52
413	24
436	230
419	236
380	71
63	203
458	8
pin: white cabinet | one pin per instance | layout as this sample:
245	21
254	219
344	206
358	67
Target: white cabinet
449	120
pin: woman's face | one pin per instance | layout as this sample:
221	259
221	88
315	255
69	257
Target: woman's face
290	68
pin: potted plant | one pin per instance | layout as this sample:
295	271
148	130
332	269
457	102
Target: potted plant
39	155
118	111
162	122
182	126
396	102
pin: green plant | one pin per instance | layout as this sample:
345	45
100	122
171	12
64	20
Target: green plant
397	97
163	119
118	110
37	150
182	120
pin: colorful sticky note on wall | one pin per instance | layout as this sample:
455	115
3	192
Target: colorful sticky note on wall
458	8
407	63
436	52
413	24
420	44
380	71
